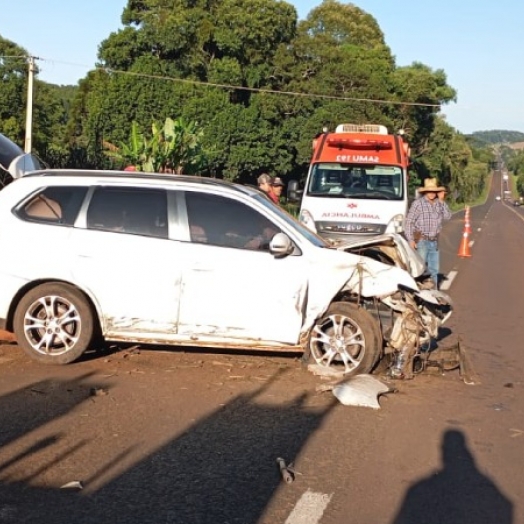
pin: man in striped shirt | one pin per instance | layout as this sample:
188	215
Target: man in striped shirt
424	223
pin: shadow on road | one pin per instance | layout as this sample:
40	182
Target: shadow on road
223	469
457	494
33	406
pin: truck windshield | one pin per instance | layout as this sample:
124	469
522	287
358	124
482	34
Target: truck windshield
378	182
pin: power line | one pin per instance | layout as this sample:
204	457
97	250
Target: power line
244	88
269	91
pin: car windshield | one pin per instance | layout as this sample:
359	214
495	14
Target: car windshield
291	221
356	181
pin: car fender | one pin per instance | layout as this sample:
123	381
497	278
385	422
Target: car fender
334	271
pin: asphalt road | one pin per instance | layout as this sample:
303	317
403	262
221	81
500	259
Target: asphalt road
193	437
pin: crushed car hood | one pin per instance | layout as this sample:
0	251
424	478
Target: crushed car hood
390	248
334	270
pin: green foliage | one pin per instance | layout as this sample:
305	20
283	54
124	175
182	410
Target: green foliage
13	72
173	147
205	61
130	153
50	106
497	136
520	184
516	165
448	156
176	147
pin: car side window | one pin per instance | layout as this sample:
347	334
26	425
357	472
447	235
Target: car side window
131	210
54	205
222	221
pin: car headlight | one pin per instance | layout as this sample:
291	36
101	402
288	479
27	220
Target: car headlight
396	224
307	219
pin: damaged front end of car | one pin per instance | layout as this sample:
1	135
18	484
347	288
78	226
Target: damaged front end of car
417	316
390	283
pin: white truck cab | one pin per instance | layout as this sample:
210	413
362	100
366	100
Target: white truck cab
356	183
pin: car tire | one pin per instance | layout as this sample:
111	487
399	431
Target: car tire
54	323
347	339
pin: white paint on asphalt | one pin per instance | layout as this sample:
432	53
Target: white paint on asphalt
309	509
449	280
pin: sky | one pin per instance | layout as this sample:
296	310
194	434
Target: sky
479	45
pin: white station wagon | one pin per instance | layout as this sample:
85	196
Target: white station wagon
184	260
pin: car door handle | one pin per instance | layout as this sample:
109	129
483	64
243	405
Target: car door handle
200	267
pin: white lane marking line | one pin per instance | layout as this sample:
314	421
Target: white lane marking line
309	509
449	279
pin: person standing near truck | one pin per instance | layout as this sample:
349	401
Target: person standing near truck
278	187
424	223
265	183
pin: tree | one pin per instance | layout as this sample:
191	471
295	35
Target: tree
13	71
259	83
420	92
50	105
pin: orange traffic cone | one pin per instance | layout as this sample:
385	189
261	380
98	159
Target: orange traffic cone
464	245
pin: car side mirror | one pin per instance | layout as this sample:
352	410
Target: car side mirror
281	245
294	193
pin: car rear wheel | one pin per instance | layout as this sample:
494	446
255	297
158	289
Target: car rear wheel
54	323
346	338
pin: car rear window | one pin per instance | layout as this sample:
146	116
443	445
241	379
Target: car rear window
54	204
136	211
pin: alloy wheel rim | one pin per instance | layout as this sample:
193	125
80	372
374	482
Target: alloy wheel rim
338	341
52	325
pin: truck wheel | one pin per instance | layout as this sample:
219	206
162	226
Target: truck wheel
54	323
346	338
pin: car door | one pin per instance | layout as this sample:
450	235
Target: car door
233	289
124	258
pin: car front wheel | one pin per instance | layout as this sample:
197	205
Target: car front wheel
54	323
347	339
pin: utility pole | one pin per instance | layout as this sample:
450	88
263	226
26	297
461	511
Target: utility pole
29	109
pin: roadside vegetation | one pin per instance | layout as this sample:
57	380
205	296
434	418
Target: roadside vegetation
232	89
515	165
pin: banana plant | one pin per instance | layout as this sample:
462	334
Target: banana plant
181	146
174	147
134	152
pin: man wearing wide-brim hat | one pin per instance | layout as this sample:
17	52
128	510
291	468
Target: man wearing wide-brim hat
424	222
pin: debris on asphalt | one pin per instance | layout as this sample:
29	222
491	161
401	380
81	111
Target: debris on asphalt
73	485
39	391
98	392
129	352
286	472
360	390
